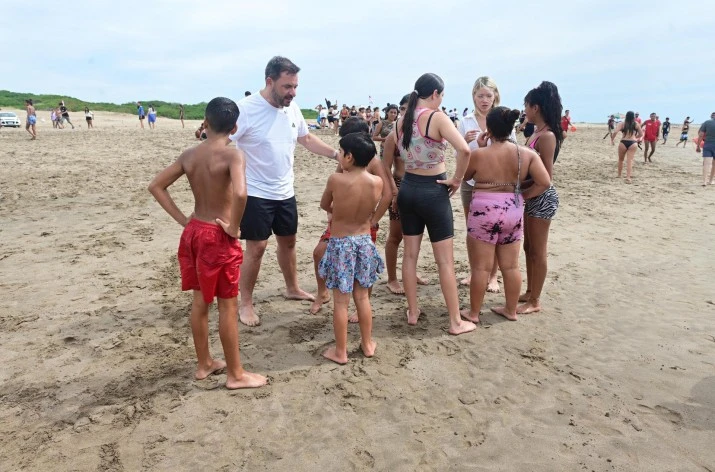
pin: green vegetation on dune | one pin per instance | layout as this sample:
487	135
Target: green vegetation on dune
163	109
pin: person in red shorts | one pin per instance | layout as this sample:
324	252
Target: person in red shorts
565	122
209	252
651	133
352	124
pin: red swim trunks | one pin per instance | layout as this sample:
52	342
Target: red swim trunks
209	260
326	235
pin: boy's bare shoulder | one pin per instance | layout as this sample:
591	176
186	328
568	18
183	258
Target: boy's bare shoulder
374	166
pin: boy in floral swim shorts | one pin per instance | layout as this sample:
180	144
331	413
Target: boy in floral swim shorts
351	263
209	251
351	125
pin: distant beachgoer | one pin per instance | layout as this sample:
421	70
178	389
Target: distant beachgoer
465	112
495	224
637	118
31	119
140	112
65	114
210	253
684	132
543	108
375	117
707	134
344	113
565	122
353	111
423	200
384	127
323	114
151	117
651	132
89	117
53	118
182	114
485	95
200	133
626	149
611	126
666	129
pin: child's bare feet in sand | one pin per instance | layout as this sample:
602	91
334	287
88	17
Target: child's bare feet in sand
369	349
529	307
500	310
466	281
395	287
461	328
525	296
319	301
468	315
332	355
412	317
298	295
203	372
247	315
422	281
247	380
353	317
493	286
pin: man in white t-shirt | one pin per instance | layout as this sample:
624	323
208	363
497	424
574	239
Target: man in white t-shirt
269	126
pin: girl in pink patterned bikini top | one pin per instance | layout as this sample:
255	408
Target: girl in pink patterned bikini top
423	152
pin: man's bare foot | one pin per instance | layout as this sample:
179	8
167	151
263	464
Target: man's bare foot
493	286
395	287
628	180
528	307
298	295
203	372
466	281
318	303
500	310
247	380
413	317
247	315
353	317
525	296
422	281
462	327
332	355
467	315
368	350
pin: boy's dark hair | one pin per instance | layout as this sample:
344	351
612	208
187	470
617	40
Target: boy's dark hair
500	122
360	146
28	101
278	64
354	124
221	115
246	93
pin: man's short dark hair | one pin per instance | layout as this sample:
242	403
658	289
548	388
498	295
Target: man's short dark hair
246	93
360	146
279	64
354	124
221	115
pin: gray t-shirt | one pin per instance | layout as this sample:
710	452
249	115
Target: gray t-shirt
709	129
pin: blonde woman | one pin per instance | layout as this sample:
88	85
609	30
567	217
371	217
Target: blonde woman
485	95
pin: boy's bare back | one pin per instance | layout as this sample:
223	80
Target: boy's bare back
355	195
213	169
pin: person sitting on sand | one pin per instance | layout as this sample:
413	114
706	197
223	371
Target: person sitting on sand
374	167
351	263
626	149
495	223
200	133
209	252
31	119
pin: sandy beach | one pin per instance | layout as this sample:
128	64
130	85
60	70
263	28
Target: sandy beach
617	373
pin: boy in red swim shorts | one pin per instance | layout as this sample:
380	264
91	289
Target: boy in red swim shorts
209	251
351	125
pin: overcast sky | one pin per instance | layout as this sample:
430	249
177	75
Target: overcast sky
604	56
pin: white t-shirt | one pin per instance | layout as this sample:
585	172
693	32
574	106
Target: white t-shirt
470	123
323	113
267	136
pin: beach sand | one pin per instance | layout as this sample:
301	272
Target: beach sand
616	373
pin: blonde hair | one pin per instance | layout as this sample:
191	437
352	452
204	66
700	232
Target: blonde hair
486	82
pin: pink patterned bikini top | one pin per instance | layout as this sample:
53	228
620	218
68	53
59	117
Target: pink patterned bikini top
424	152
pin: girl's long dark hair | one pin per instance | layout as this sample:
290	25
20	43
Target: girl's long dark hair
424	88
546	95
629	124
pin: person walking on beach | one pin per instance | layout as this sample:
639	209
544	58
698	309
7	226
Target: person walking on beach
666	129
611	126
565	122
65	114
269	126
543	108
209	250
626	149
151	117
707	134
422	135
684	132
651	134
140	112
89	118
181	115
31	119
